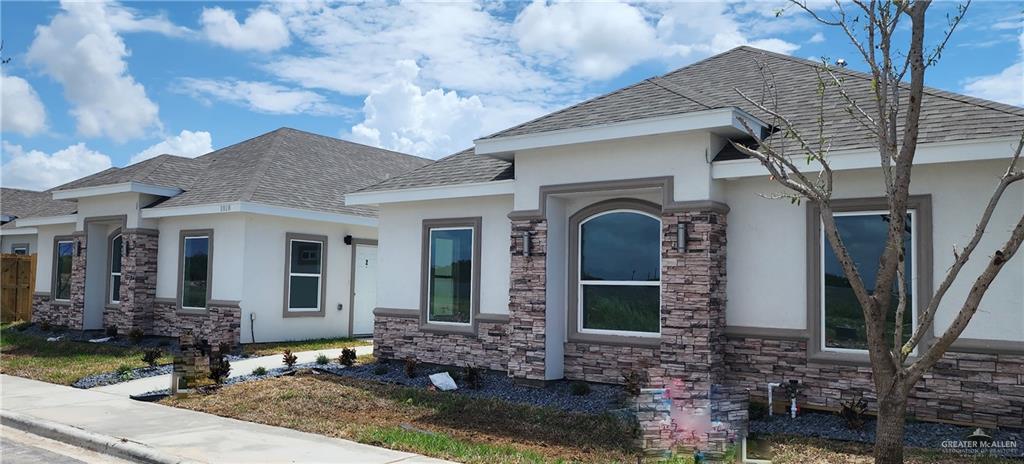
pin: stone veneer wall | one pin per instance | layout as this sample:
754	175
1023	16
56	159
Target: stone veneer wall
44	309
528	300
401	338
76	309
220	323
593	362
979	389
138	283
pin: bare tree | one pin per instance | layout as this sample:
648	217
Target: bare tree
797	158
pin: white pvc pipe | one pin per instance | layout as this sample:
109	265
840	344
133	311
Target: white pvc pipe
771	385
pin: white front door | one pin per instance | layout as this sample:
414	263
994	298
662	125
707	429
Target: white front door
364	290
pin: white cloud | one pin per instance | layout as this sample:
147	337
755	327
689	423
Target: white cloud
36	170
20	108
81	50
696	30
188	144
816	38
124	19
262	31
402	116
600	40
1006	86
263	97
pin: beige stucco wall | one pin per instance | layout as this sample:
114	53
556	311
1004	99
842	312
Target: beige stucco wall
7	241
401	228
767	246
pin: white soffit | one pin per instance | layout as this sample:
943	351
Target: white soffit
124	187
438	192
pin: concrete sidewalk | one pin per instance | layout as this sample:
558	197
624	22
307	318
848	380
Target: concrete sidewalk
238	368
184	434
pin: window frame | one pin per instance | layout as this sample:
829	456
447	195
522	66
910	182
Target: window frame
111	291
919	207
474	224
56	270
320	310
182	237
18	246
574	292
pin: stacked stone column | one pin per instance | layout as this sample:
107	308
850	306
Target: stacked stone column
76	310
138	282
527	300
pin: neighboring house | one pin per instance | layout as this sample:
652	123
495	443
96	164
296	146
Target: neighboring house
15	203
250	242
592	243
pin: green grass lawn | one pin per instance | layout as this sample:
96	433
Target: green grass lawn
267	349
437	424
62	362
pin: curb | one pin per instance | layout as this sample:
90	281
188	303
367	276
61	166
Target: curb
117	447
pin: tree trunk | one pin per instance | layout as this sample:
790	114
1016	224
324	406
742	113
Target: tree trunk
892	416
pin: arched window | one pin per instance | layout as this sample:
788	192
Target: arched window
617	270
115	268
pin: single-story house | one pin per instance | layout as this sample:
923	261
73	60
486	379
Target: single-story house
252	242
625	235
15	203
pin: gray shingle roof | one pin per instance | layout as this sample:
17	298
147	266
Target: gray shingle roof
28	203
712	83
295	169
163	171
464	167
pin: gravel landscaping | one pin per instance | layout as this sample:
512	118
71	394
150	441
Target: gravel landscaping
918	434
167	344
496	385
271	373
110	378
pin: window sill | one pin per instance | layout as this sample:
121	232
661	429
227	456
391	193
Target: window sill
461	329
61	302
192	312
287	313
617	340
112	305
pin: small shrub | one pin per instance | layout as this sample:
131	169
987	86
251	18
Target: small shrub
473	377
410	367
579	388
111	331
854	413
348	357
322	359
289	358
45	326
151	356
634	381
135	335
380	369
220	368
124	371
259	371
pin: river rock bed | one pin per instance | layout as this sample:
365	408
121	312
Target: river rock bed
110	378
929	435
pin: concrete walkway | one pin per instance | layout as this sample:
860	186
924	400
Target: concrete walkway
184	434
238	368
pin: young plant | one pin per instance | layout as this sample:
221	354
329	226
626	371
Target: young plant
410	367
151	356
473	377
289	358
854	413
348	357
634	381
135	335
220	368
322	359
124	372
260	370
578	388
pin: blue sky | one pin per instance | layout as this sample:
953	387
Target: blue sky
95	85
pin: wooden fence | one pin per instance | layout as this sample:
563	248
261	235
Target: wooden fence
18	279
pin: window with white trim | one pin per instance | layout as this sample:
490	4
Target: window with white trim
305	275
619	274
842	320
450	281
115	268
19	249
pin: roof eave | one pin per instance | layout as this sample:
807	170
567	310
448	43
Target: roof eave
258	208
433	192
110	189
46	220
729	121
